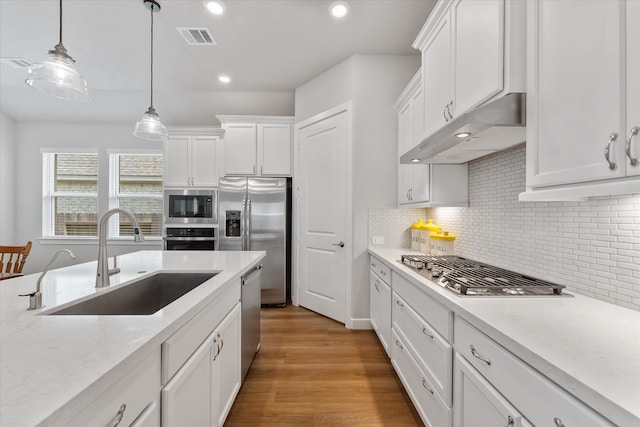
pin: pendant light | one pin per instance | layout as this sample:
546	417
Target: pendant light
150	127
57	75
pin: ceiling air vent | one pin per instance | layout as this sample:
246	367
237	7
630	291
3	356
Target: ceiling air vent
16	62
197	36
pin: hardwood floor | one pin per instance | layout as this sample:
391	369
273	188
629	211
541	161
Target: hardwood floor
312	371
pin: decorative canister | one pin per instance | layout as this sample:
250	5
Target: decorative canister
415	235
442	243
425	232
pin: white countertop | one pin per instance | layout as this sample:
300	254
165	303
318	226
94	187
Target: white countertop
46	362
588	347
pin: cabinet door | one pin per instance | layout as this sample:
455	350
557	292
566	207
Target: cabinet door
176	161
478	34
405	172
240	148
575	89
420	183
186	399
384	317
225	373
477	403
204	162
633	83
274	149
436	68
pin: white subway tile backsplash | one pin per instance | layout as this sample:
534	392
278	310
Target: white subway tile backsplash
592	246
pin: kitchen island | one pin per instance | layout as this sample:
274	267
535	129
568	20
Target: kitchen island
53	366
589	348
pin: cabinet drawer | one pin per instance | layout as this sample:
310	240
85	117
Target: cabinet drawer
539	399
380	269
437	315
181	345
432	352
432	409
128	400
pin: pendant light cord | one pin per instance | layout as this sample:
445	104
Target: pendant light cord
60	22
151	9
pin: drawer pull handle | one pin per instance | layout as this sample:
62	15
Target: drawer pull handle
119	416
399	345
424	331
424	384
627	147
558	422
510	421
479	356
607	149
384	273
399	303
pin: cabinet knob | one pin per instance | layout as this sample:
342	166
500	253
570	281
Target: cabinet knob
558	422
510	421
607	150
627	147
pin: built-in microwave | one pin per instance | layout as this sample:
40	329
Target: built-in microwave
190	206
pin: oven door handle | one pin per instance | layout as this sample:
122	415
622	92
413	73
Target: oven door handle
190	239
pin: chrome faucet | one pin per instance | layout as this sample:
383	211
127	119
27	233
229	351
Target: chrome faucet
102	275
35	298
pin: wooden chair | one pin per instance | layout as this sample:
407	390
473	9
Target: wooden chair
12	258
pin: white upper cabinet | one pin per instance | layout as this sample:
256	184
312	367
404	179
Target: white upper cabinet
421	185
582	99
471	52
257	145
192	158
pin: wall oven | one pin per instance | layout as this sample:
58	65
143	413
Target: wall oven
190	239
190	206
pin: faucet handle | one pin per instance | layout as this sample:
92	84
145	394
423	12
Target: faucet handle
35	300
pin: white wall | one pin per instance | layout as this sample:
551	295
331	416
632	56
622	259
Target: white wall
592	246
31	137
7	181
372	83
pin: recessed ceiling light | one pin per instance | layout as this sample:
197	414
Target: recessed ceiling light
463	134
415	160
339	9
224	79
215	7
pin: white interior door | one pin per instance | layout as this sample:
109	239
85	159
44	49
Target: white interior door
322	216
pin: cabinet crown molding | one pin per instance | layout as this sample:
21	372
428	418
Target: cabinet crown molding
434	17
255	119
196	131
408	91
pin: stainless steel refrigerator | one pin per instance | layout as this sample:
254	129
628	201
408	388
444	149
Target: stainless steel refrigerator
254	215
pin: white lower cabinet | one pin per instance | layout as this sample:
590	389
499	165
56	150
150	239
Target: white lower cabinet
478	404
186	399
432	409
225	372
202	391
380	303
540	400
131	401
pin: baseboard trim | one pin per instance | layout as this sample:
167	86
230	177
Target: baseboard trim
361	324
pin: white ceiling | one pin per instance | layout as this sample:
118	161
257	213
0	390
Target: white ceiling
267	47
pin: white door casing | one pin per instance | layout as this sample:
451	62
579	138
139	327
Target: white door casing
322	214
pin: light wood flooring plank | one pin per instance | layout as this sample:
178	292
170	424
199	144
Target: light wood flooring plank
312	371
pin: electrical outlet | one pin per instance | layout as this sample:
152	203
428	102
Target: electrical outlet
378	240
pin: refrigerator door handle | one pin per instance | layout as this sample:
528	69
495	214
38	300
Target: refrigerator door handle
248	224
243	225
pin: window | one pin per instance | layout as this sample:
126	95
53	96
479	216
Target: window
70	194
136	185
73	203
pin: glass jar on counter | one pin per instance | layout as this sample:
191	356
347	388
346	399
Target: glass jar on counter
442	243
425	232
415	235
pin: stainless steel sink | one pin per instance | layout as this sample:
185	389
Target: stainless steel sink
145	296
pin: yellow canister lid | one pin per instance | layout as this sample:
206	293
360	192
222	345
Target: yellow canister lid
443	236
430	226
417	225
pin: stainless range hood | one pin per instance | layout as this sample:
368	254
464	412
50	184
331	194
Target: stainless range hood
495	126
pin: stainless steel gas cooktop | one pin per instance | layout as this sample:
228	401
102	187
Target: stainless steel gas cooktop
473	278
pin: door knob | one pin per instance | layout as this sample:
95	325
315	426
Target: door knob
341	244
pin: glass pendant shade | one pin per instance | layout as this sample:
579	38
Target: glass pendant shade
150	127
57	76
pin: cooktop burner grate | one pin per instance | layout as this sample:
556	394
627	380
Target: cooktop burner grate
469	277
